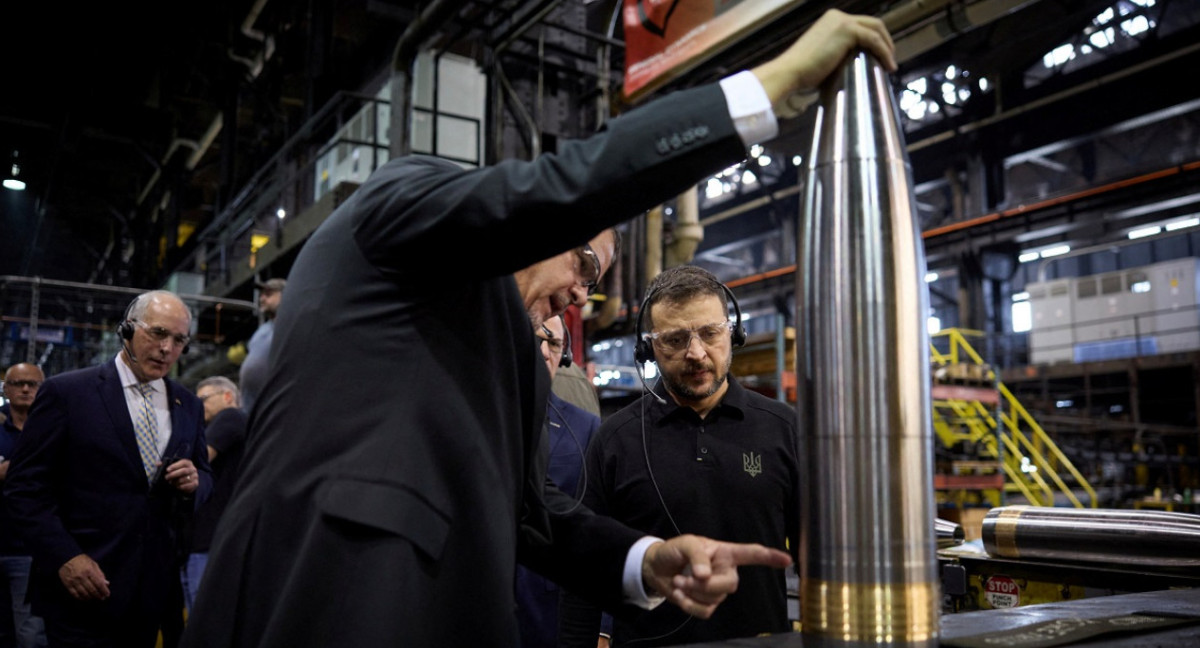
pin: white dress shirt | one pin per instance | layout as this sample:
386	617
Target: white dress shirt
158	398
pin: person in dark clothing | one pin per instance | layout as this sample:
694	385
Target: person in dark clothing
19	627
253	372
712	458
408	312
571	429
226	437
111	459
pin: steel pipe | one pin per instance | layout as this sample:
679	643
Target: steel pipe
1120	536
868	558
949	534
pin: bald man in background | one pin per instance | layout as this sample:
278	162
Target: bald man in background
18	625
109	459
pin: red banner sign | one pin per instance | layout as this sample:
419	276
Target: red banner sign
665	38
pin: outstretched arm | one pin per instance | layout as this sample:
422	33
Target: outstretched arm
697	573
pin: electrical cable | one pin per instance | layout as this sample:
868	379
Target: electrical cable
670	518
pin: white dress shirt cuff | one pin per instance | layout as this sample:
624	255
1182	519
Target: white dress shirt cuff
750	108
631	581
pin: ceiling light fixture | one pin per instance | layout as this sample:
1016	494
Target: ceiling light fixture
1183	224
12	182
1045	253
1143	232
1057	250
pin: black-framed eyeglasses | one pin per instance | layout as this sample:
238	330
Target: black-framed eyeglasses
204	397
589	268
18	384
556	344
672	342
160	334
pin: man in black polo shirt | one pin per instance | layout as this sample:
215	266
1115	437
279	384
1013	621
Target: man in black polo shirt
225	434
709	457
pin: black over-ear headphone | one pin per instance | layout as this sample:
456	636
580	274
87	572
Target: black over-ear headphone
125	328
643	352
567	357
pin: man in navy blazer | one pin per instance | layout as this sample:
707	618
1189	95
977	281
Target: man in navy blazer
99	510
570	429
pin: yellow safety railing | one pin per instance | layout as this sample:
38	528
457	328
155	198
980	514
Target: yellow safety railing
1024	441
979	424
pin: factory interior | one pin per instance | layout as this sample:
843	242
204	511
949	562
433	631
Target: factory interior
1055	166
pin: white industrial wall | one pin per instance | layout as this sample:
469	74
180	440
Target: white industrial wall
461	104
1051	338
1139	311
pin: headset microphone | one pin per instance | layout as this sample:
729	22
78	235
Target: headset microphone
638	368
129	352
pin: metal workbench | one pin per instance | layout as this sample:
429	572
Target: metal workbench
1005	627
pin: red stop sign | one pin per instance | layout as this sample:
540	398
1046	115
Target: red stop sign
1002	592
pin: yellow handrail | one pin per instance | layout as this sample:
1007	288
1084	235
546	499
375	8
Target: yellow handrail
1018	444
981	423
1018	411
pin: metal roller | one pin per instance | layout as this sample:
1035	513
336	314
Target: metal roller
949	534
1118	536
868	560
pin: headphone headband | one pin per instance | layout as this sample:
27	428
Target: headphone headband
125	329
643	352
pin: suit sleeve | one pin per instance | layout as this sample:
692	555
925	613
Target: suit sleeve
567	543
582	551
31	484
204	471
420	212
579	619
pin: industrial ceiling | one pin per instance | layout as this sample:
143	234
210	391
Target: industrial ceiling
130	121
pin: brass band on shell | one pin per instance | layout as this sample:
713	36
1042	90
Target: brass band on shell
883	613
1005	531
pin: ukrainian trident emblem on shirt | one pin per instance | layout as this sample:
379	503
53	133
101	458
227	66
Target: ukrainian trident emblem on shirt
752	464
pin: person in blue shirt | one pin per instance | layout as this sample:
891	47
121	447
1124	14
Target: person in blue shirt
253	374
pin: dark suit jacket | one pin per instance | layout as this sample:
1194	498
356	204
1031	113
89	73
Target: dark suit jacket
571	428
395	462
227	434
76	485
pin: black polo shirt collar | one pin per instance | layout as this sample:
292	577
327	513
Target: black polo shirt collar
733	405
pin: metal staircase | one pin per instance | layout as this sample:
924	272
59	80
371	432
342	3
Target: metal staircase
973	409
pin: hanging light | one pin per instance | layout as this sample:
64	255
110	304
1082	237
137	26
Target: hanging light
12	182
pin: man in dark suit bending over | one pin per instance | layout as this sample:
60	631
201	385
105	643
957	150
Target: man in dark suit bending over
409	313
108	457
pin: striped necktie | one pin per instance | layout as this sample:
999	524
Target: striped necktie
145	426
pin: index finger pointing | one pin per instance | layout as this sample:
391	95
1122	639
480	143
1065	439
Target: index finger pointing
755	554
